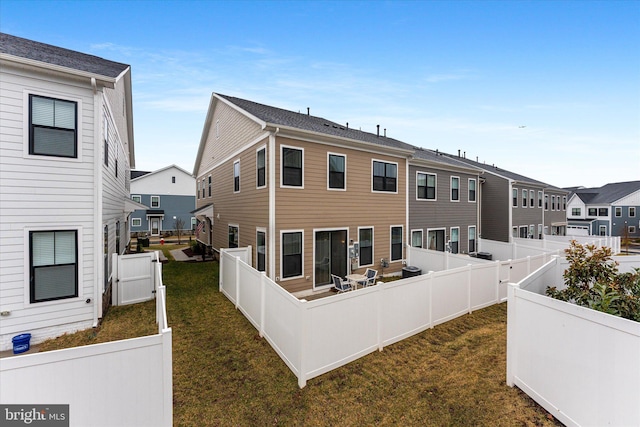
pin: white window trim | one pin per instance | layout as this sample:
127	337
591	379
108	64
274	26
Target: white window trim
435	199
27	267
617	209
391	227
373	246
525	197
450	238
475	237
517	198
238	228
417	230
282	233
237	162
347	260
262	147
25	126
540	205
475	189
266	247
532	199
329	154
139	196
397	177
151	203
282	147
451	199
629	211
514	231
133	220
429	230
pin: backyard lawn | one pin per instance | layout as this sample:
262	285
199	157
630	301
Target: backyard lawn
225	374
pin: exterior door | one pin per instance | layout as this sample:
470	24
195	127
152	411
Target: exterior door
435	240
330	255
155	226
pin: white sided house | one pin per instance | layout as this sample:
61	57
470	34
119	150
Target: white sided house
66	151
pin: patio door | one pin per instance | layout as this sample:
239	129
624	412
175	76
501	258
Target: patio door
330	255
435	239
155	226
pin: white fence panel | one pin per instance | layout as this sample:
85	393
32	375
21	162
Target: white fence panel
405	308
484	286
249	295
579	364
135	278
228	272
450	295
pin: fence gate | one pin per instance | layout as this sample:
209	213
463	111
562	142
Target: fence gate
134	278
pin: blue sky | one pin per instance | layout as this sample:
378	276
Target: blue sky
451	75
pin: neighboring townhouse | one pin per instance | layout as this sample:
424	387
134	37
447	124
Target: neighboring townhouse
444	201
513	205
606	211
312	197
66	151
168	195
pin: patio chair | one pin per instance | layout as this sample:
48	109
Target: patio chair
339	284
371	275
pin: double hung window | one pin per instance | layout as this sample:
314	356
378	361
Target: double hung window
236	176
396	243
426	186
54	265
291	254
472	190
292	163
337	168
365	236
385	176
53	127
261	163
455	188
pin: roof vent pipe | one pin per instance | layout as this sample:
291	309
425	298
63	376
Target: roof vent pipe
378	132
308	111
347	125
385	132
464	154
458	153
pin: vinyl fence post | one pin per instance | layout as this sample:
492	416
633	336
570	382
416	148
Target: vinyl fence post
302	374
237	265
469	288
511	333
379	290
221	270
430	303
263	286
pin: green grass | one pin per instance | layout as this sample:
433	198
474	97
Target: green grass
224	374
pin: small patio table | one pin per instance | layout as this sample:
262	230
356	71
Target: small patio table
355	278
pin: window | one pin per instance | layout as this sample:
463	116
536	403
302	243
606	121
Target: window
198	184
553	203
118	237
540	199
532	199
396	243
618	211
365	237
194	223
336	173
546	202
291	254
514	231
593	212
261	165
564	203
632	229
603	211
525	196
155	201
136	198
233	236
236	177
472	238
539	231
632	211
455	188
261	248
136	222
52	127
472	190
173	179
53	265
209	186
455	240
416	238
514	198
425	186
385	176
575	211
292	162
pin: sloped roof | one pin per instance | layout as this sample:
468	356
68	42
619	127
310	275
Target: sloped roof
438	157
285	118
608	193
36	51
138	174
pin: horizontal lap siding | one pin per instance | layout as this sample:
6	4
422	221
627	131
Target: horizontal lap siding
316	207
496	202
42	192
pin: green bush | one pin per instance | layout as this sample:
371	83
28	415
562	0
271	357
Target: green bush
592	280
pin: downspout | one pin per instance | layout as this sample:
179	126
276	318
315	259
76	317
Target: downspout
479	212
510	204
272	204
97	207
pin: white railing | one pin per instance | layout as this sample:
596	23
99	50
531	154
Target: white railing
119	383
581	365
314	337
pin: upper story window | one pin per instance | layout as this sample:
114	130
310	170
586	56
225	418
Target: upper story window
564	203
472	190
525	196
155	201
540	199
514	198
593	212
53	265
618	211
416	238
136	198
203	188
455	240
632	211
261	168
455	188
472	238
532	195
337	172
292	164
546	202
52	127
106	141
385	176
553	203
236	176
426	186
209	186
603	211
173	179
575	211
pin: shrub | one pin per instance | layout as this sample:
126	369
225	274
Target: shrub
592	280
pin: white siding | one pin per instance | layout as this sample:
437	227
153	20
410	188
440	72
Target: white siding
42	193
159	183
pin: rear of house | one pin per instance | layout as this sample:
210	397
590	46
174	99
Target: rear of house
67	148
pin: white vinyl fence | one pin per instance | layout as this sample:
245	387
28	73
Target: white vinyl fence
314	337
134	277
521	248
581	365
120	383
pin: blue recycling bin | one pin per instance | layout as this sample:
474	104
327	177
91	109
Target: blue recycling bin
21	343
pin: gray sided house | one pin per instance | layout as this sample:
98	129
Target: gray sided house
168	195
513	205
66	121
444	202
610	210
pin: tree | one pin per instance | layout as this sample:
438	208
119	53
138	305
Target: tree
592	280
178	225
